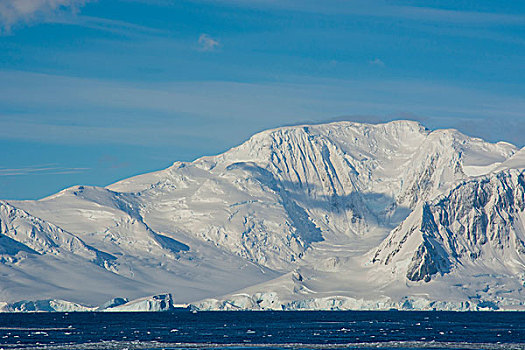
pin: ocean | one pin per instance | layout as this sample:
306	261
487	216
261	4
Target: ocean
264	330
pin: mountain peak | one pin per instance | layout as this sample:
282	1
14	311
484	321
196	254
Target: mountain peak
372	211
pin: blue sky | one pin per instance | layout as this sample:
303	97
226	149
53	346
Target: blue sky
95	91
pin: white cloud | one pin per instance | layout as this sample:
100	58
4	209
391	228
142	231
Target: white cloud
207	43
47	169
13	12
377	62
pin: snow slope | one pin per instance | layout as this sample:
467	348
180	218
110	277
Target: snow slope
340	215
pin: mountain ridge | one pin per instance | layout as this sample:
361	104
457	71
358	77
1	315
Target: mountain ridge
329	210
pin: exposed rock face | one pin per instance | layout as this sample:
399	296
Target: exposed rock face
478	220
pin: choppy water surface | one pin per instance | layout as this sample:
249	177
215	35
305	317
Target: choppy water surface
264	330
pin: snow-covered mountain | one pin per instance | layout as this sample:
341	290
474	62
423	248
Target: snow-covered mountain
339	215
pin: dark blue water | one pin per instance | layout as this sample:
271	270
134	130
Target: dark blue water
264	330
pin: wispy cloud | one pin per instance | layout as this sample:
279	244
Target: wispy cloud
14	12
46	169
180	113
112	26
207	43
456	16
379	8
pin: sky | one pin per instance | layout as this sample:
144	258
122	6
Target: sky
92	92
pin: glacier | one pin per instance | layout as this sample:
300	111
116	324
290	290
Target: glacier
337	216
